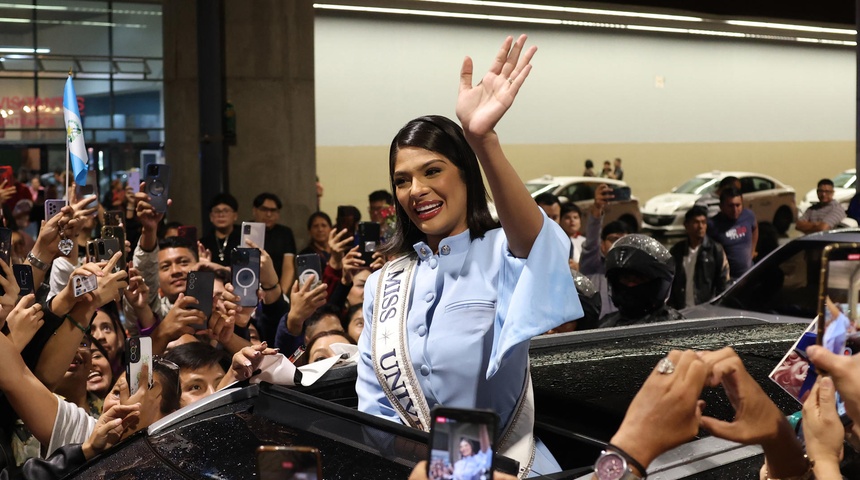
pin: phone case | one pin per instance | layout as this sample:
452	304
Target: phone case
105	250
53	207
368	240
139	354
200	285
84	284
24	278
113	218
246	275
256	231
112	232
308	268
7	174
157	186
134	181
188	233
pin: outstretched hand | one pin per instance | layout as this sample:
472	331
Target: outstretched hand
480	107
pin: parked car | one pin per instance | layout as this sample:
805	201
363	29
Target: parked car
782	287
583	384
580	190
770	200
844	186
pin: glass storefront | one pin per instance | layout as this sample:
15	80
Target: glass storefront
114	50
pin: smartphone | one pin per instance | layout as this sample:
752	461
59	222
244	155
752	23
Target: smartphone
134	180
139	354
246	275
189	234
106	248
201	286
5	244
309	269
24	278
84	284
367	239
8	175
157	186
620	193
114	218
110	233
53	207
83	191
461	440
276	462
346	218
256	232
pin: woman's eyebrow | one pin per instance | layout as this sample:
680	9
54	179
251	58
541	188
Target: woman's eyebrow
422	167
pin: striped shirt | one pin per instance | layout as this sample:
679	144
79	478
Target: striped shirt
830	213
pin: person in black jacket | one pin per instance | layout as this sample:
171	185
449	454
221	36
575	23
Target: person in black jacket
704	258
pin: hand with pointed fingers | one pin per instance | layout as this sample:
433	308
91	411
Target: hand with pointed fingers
338	242
352	264
667	409
247	360
303	302
480	107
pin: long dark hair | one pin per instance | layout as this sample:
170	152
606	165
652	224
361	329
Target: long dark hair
440	135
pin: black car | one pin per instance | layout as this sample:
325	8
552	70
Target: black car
583	383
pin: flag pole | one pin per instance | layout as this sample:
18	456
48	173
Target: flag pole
66	129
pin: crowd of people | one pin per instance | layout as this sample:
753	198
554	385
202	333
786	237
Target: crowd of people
462	293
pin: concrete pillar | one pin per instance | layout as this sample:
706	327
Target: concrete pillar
269	78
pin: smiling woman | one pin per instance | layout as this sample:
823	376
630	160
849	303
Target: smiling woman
462	295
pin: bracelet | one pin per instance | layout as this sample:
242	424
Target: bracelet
77	325
147	331
270	288
36	263
630	459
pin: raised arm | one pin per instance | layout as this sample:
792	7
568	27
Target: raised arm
479	109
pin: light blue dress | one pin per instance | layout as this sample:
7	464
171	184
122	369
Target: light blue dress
472	311
470	468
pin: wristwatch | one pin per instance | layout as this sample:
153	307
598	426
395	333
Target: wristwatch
613	466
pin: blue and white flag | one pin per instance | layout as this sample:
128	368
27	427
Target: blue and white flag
74	133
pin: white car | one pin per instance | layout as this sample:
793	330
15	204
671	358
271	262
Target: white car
580	190
843	186
768	198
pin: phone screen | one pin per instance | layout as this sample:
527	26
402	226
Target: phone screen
461	444
288	463
836	326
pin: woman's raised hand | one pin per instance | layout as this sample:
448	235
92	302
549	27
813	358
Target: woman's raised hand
480	107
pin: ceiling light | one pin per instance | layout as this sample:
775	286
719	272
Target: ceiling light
785	26
587	11
24	50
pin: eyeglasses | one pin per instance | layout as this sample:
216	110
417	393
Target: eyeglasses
165	363
268	209
223	211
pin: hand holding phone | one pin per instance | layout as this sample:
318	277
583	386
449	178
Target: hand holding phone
53	207
461	443
24	278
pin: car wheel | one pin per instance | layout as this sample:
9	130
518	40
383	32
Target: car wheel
631	223
782	220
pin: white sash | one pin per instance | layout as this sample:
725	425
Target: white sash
393	366
390	350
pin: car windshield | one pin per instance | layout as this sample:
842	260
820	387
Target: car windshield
538	188
845	180
698	186
785	284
